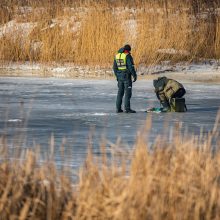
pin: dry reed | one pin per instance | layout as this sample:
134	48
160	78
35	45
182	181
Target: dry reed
99	38
87	32
178	180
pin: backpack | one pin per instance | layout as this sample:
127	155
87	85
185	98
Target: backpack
171	87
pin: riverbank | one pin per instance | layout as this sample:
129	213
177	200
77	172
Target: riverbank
206	72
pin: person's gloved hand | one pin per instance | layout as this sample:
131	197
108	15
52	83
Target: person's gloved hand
135	78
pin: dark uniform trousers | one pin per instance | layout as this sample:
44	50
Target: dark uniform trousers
124	87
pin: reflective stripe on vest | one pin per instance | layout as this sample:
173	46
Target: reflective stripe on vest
120	59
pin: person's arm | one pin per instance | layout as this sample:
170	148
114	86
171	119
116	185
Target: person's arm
115	69
130	66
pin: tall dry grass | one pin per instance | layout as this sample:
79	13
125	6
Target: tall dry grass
168	180
217	37
30	191
91	32
160	34
100	36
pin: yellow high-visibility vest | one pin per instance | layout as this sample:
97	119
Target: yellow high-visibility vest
120	59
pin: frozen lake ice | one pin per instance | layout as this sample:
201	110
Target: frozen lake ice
32	109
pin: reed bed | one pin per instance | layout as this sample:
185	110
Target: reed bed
167	180
91	32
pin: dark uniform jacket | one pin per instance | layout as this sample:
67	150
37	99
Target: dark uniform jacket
125	75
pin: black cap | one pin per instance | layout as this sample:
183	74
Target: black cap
127	47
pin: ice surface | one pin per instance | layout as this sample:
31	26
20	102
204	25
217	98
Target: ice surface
32	109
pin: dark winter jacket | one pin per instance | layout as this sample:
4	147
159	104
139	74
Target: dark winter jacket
130	71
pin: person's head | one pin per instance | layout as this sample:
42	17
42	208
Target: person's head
127	47
162	80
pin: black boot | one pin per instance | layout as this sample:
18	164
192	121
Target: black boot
130	111
119	111
166	106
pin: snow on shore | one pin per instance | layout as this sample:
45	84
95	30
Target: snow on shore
13	27
204	71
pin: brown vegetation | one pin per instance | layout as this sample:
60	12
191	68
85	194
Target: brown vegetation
178	180
90	32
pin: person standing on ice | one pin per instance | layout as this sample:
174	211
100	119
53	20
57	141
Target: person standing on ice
124	71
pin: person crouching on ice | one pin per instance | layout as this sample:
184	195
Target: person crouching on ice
124	71
167	91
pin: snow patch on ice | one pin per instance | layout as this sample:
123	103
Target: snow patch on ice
15	120
100	114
